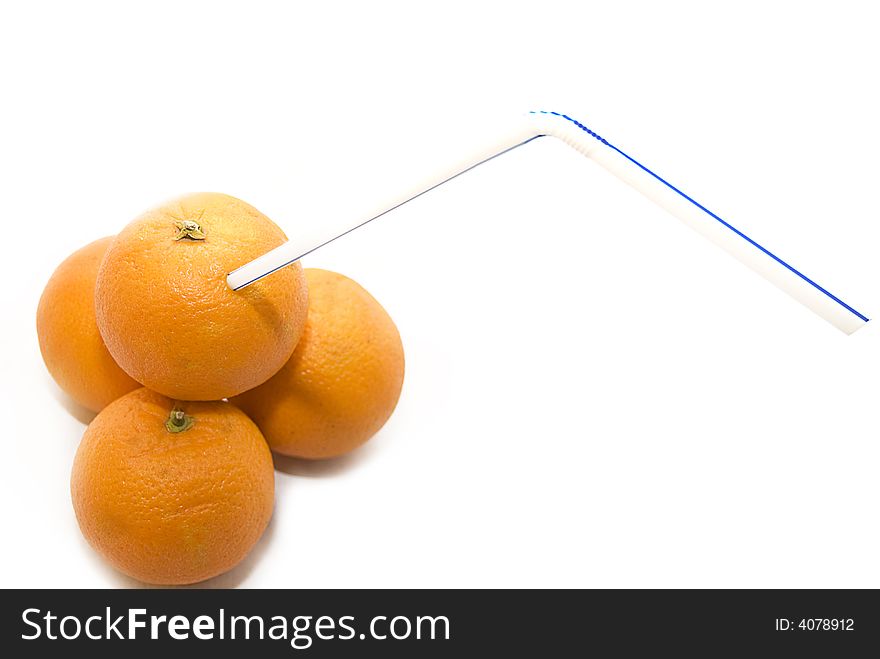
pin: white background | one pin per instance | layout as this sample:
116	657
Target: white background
595	395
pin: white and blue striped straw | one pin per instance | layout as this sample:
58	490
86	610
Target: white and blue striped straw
688	210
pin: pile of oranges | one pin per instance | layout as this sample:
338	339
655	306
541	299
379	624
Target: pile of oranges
193	383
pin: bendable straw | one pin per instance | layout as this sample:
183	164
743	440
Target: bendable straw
542	123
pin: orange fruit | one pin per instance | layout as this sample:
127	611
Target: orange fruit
70	343
342	382
172	493
167	315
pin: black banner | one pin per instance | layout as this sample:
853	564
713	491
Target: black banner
423	623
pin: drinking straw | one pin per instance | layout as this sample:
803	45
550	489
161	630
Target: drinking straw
575	134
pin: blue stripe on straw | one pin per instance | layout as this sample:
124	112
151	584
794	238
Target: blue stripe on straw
707	211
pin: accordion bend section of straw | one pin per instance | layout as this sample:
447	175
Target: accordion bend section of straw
575	134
